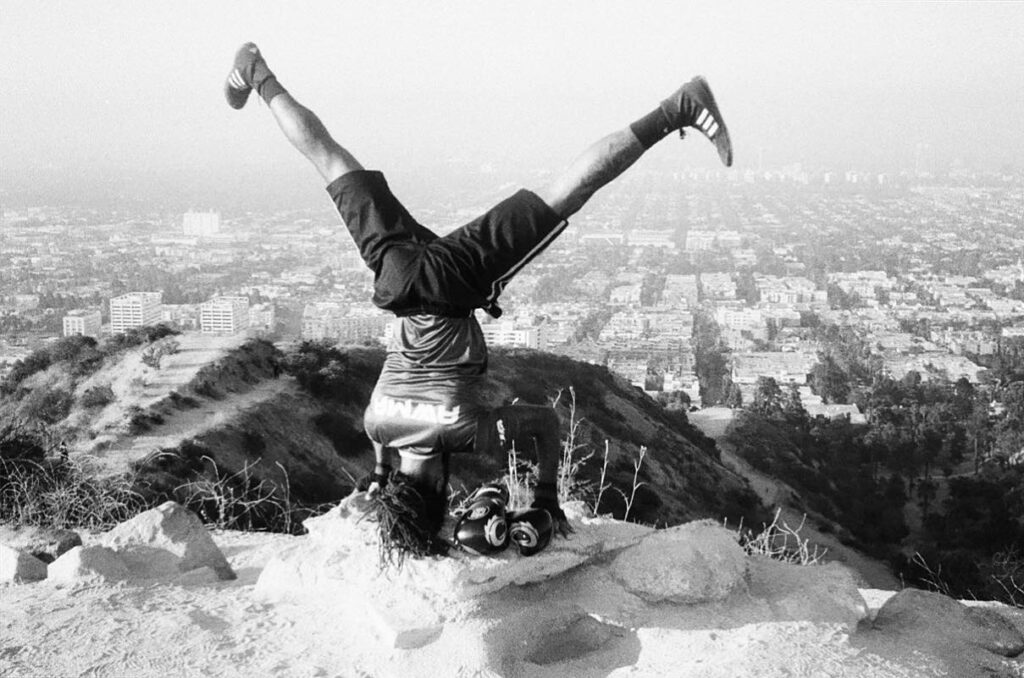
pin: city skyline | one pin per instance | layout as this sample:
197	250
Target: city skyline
123	100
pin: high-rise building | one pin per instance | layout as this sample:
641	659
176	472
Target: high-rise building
504	333
82	322
337	322
224	315
201	223
135	309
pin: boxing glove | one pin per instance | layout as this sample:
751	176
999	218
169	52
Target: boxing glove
482	529
530	530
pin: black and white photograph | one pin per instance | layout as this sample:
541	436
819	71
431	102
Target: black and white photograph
577	338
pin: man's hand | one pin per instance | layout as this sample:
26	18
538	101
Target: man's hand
562	527
545	499
374	482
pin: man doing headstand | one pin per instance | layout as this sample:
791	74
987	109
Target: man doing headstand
427	401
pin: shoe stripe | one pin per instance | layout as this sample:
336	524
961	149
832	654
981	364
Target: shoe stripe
236	80
712	129
702	117
707	124
499	283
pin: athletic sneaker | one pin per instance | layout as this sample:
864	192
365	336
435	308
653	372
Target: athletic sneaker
693	105
243	76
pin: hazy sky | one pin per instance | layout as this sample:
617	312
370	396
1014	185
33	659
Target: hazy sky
129	92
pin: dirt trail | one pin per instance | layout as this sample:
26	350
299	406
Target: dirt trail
138	387
184	424
714	422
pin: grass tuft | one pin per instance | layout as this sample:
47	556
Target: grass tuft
781	542
65	493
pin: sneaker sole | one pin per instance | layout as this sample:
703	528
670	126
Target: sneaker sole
236	96
721	140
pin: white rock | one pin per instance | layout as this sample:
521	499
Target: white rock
18	567
342	546
817	593
45	543
198	577
166	541
88	563
402	621
692	563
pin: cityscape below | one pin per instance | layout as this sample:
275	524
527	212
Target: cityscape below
924	266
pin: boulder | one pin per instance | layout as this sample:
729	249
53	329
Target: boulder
693	563
89	564
816	593
935	616
17	566
342	549
45	543
166	541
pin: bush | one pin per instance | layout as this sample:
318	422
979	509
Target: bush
242	501
47	406
140	421
137	337
780	542
21	442
40	486
155	352
79	352
328	373
97	396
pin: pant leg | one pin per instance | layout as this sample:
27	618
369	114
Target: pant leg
472	265
374	217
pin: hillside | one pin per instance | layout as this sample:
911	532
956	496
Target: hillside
716	422
245	413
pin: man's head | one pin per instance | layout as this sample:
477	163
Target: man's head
411	509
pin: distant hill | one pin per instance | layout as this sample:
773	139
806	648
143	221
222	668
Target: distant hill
218	407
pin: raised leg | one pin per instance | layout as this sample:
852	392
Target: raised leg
692	105
307	133
598	165
300	125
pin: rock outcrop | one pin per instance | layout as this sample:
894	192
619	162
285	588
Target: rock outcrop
45	543
166	541
969	637
615	599
88	564
17	566
596	594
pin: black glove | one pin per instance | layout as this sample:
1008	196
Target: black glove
379	476
545	496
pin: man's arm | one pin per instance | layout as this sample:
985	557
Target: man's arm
381	469
534	427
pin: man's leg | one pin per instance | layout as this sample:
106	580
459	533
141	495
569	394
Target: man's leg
692	105
306	133
301	126
597	166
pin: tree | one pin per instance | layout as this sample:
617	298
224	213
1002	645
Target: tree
963	398
793	407
1009	430
979	429
733	396
768	401
829	381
